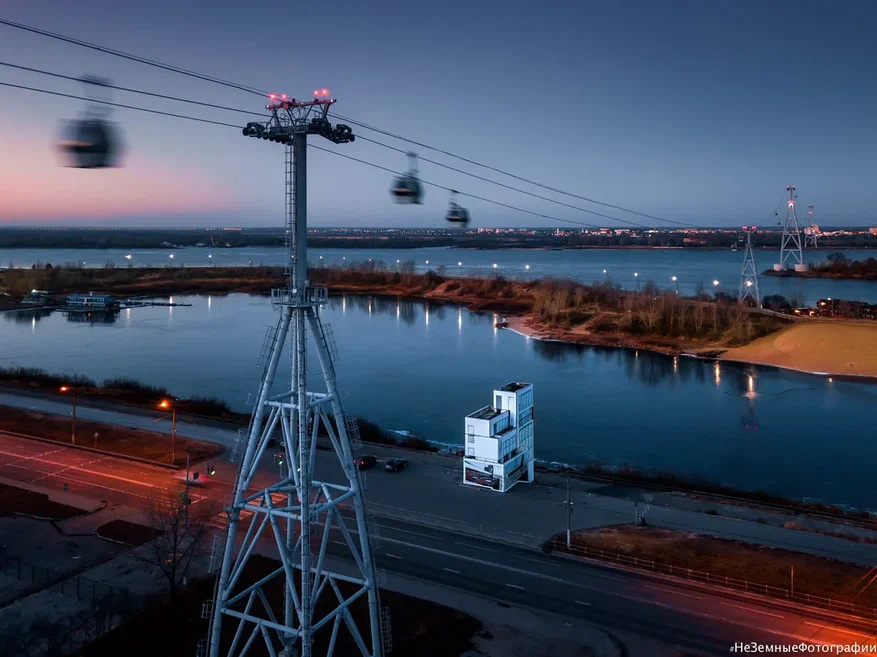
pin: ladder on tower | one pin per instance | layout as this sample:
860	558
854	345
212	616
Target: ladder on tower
268	343
353	433
386	630
216	551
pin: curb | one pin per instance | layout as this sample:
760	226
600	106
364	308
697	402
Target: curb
83	448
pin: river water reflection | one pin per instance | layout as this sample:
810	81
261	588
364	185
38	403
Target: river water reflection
420	367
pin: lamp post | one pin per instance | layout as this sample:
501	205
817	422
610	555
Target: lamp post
675	283
128	258
606	275
636	276
210	258
494	270
568	504
715	284
165	405
73	398
460	265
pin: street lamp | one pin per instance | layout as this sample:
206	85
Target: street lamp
676	283
164	404
494	269
460	265
210	258
636	276
715	283
73	398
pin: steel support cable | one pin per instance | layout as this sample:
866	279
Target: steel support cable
259	92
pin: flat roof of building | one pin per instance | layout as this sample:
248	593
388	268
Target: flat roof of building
514	386
486	413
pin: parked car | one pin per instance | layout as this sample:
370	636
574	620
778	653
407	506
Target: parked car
394	465
366	462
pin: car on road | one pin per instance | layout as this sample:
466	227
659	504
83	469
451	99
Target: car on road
394	465
366	462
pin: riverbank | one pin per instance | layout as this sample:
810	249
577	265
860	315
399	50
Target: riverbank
831	348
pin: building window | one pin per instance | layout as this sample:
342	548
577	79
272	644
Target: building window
471	430
499	402
471	439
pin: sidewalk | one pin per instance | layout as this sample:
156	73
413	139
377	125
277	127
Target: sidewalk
430	491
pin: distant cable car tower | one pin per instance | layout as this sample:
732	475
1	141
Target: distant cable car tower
297	511
790	247
812	230
749	273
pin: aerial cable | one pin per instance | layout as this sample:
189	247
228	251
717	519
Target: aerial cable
259	92
349	157
133	58
510	175
450	189
131	107
107	85
503	185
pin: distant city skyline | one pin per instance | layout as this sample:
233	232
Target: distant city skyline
694	112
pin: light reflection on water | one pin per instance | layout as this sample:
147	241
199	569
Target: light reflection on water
755	427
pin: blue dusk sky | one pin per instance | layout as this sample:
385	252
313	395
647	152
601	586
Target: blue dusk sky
700	111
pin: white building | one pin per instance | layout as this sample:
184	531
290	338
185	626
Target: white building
499	440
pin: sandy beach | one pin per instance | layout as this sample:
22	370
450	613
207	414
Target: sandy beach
840	348
830	348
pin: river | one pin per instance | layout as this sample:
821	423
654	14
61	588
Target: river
690	266
420	367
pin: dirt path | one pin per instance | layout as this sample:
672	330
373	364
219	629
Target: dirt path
831	347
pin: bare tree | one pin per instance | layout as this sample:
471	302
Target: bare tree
179	531
699	316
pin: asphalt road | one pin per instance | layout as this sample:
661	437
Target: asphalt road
695	620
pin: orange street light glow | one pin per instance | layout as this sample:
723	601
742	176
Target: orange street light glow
64	388
164	403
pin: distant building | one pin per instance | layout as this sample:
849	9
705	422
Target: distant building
90	301
36	298
499	440
872	231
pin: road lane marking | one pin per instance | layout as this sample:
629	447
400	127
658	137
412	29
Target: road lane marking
634	598
756	611
661	588
476	547
541	563
586	604
514	586
451	570
84	471
395	556
840	629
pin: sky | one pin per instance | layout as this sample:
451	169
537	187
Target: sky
699	112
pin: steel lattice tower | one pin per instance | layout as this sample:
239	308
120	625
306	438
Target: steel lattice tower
790	247
298	511
749	273
812	230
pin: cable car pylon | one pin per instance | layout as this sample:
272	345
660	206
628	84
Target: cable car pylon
749	274
297	511
790	247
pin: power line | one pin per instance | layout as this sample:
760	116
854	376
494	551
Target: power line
259	92
133	58
107	85
131	107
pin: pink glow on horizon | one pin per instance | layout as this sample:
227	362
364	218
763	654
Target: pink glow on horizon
35	189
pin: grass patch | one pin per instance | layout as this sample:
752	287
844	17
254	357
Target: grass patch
15	500
814	575
129	533
420	628
118	391
110	438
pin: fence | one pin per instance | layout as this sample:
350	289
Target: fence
775	592
33	578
